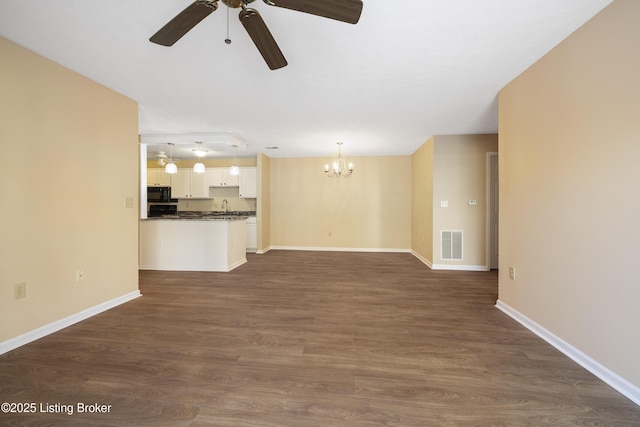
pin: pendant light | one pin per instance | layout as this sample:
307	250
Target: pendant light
234	170
171	167
200	152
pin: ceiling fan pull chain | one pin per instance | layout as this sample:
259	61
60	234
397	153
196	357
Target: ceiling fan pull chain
227	40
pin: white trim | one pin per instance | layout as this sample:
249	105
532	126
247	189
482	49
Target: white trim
45	330
143	181
263	251
488	191
459	267
612	379
332	249
422	259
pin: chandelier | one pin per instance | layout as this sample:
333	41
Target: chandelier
339	167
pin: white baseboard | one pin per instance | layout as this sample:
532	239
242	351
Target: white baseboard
459	267
423	259
334	249
219	268
611	378
45	330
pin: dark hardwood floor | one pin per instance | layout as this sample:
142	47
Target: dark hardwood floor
308	339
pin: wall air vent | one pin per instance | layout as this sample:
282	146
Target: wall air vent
451	244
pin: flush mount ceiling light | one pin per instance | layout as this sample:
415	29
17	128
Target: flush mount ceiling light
339	166
171	166
200	152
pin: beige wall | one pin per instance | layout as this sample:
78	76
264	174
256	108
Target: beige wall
70	158
570	190
459	175
451	168
369	210
422	202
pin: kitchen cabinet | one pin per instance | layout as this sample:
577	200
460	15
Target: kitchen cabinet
252	234
158	178
248	183
220	177
186	184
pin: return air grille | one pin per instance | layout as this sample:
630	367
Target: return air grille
451	244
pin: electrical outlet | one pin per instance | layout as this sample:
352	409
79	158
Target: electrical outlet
512	273
79	275
20	290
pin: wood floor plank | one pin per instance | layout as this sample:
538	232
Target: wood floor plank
309	339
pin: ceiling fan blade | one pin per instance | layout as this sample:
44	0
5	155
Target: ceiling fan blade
262	38
340	10
183	22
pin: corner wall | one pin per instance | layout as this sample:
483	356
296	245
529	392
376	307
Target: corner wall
459	175
70	149
570	192
451	168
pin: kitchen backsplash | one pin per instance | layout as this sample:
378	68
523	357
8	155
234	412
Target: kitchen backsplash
219	194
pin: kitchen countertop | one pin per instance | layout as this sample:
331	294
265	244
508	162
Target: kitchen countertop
207	216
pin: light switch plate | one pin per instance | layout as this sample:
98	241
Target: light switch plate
128	202
444	204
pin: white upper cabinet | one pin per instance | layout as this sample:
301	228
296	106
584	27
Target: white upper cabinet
248	183
220	177
186	184
158	178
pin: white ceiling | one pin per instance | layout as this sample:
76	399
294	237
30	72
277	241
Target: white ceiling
408	70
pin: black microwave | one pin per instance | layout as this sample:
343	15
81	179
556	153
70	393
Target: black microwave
159	195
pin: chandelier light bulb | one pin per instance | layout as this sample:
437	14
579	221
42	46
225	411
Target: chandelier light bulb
339	167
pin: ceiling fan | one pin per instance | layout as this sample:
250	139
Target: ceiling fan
341	10
162	159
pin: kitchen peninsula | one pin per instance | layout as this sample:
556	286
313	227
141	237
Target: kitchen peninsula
192	241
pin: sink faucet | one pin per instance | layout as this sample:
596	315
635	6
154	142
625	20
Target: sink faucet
225	205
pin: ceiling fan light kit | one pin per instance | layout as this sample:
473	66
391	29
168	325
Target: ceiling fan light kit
348	11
